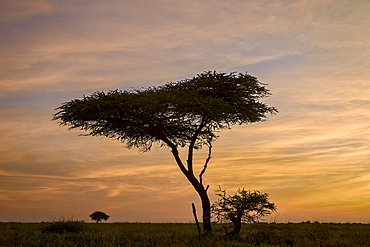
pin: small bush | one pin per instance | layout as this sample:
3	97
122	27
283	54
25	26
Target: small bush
64	226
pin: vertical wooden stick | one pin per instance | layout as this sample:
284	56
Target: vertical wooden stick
196	219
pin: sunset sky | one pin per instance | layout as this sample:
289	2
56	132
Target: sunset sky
313	157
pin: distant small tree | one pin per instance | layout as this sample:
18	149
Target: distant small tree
244	206
98	216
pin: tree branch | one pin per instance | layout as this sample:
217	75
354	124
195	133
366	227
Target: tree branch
176	155
192	144
206	163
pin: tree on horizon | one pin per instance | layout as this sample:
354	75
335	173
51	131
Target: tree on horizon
98	216
183	114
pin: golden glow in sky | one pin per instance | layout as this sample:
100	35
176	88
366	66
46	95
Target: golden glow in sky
312	157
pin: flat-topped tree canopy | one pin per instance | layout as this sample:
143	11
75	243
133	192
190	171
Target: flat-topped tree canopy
187	113
173	114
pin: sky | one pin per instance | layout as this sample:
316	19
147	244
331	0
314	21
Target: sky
312	158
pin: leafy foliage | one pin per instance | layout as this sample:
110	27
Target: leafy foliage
247	206
98	216
176	114
244	206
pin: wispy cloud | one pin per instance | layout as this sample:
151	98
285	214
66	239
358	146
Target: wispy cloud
312	157
18	11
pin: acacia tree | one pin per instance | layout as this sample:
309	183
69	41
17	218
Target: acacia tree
244	206
98	216
186	114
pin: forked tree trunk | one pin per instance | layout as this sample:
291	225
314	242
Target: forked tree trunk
202	192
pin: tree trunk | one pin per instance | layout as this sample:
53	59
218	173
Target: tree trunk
206	206
202	192
237	227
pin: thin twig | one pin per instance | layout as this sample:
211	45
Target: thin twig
207	188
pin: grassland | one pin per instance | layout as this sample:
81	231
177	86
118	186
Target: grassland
147	234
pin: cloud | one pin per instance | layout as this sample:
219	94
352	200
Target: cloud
17	11
311	157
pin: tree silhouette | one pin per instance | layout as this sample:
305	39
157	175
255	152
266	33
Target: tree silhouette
187	113
98	216
244	206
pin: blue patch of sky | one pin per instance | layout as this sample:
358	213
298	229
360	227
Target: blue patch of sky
34	24
42	99
268	66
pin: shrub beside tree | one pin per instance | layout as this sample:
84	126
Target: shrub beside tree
244	206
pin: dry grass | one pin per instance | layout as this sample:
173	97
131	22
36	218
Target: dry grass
146	234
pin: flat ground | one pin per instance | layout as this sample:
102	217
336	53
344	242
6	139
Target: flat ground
75	233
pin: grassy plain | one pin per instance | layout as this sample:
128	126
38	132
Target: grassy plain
150	234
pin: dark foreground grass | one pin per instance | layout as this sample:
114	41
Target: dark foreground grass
146	234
